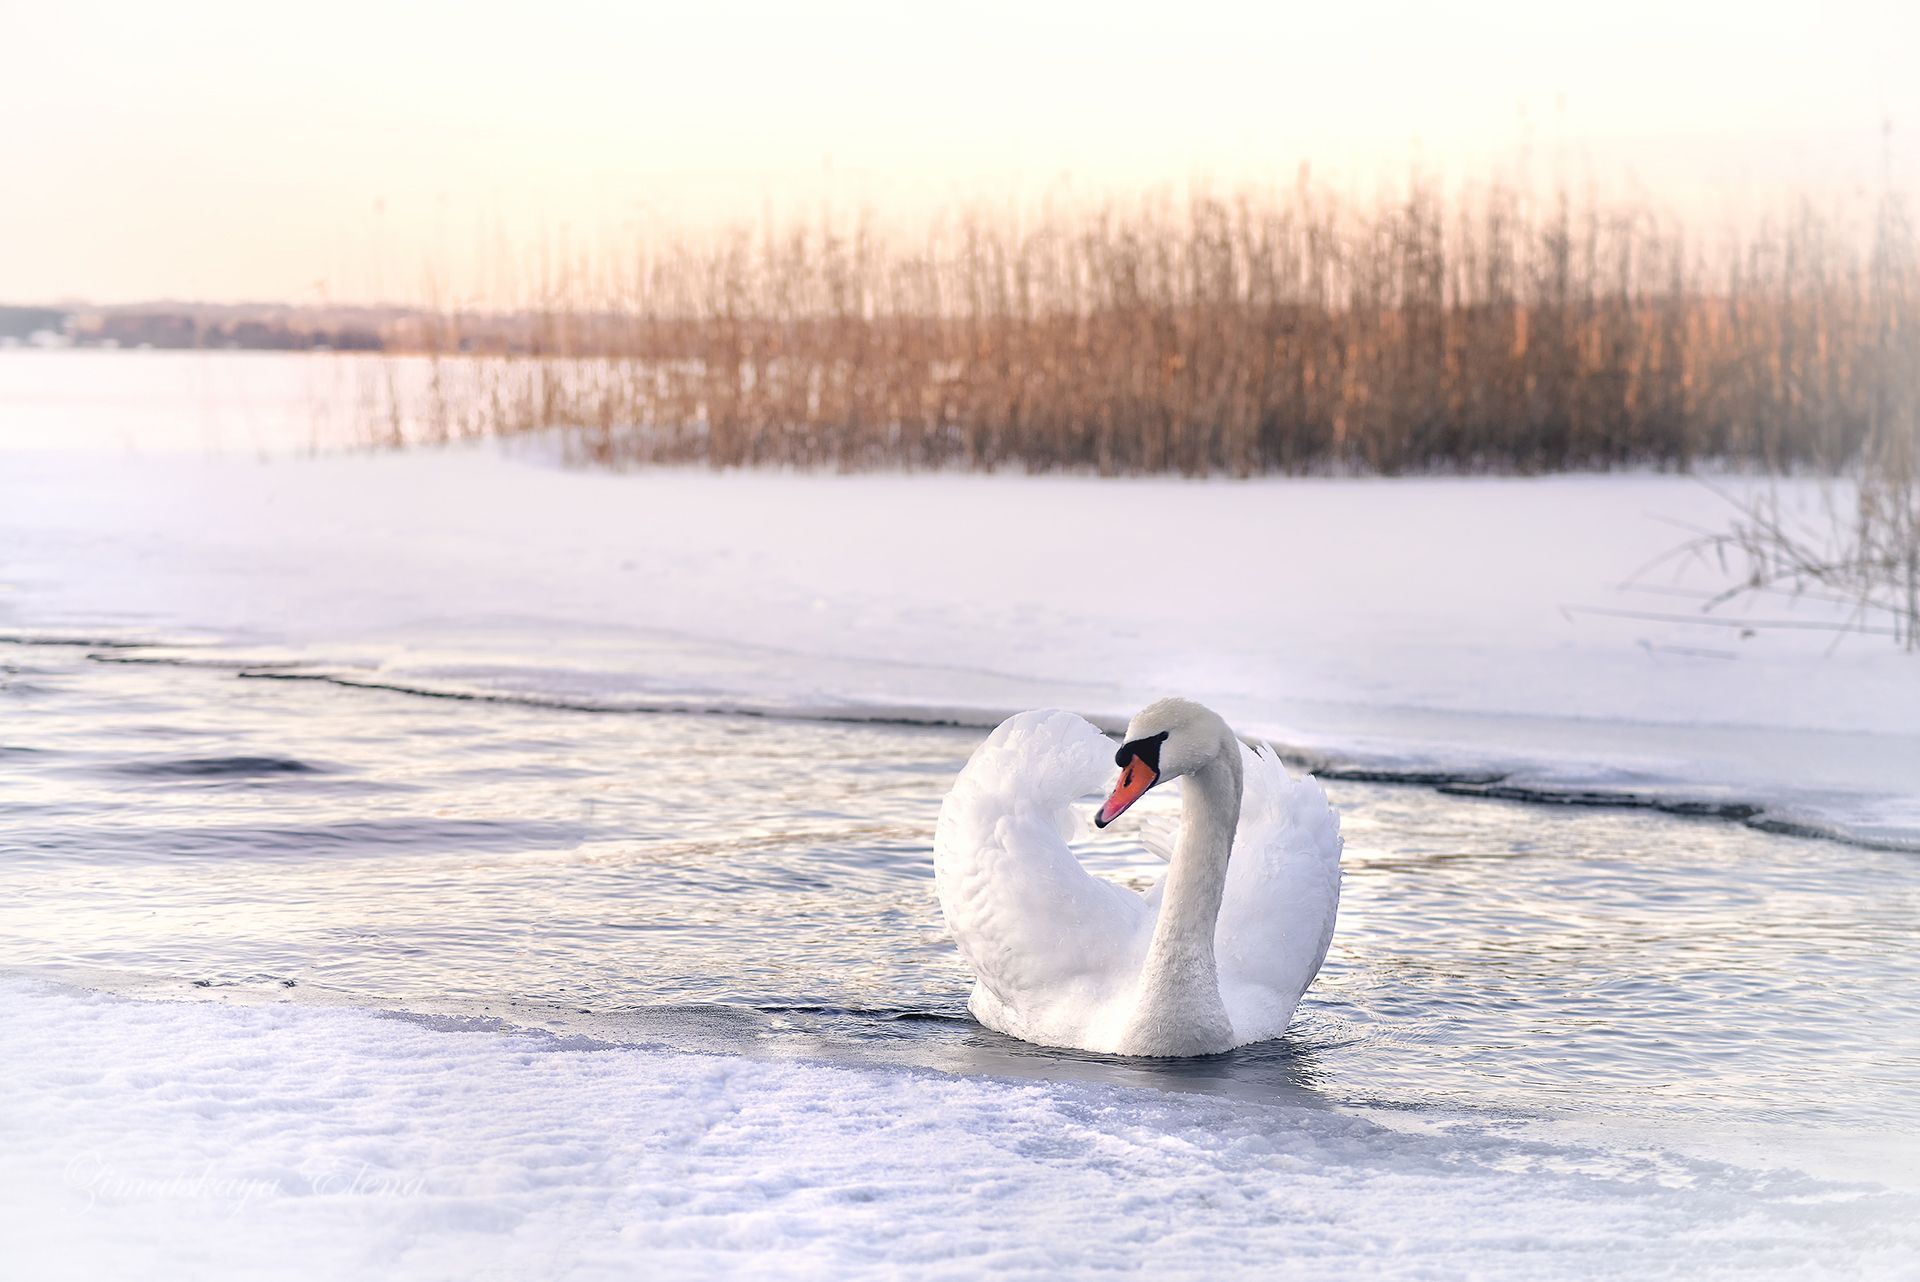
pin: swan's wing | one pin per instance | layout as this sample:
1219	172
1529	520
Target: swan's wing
1047	940
1283	892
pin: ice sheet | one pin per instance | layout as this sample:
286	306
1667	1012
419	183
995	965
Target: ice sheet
168	1139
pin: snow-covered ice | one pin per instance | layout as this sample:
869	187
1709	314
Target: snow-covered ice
189	1140
1449	625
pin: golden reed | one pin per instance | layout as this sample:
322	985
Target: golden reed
1287	332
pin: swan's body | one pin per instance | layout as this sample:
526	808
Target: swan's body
1214	956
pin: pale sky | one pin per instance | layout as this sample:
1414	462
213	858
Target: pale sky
349	150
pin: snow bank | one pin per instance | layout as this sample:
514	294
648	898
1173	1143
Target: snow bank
202	1141
1407	625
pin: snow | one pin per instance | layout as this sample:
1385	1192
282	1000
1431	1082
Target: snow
208	402
192	1140
1406	624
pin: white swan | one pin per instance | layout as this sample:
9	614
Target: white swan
1214	956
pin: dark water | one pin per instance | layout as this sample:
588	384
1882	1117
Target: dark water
765	886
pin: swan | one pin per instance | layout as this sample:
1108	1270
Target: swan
1213	956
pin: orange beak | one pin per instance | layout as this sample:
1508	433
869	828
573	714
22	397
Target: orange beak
1134	782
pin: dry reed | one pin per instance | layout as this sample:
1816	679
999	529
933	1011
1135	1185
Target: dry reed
1865	555
1284	332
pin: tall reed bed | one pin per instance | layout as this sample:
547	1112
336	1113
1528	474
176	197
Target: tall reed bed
1866	554
1274	332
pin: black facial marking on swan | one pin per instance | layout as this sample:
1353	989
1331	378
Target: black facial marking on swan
1147	749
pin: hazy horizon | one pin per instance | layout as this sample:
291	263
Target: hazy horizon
216	153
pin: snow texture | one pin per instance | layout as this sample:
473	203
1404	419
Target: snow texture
183	1140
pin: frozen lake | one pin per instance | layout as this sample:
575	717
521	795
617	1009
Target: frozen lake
572	820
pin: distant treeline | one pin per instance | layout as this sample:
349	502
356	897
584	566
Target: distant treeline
1266	333
176	332
193	327
25	322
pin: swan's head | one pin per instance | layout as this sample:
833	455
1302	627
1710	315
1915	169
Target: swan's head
1167	739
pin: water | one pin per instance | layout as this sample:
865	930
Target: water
764	886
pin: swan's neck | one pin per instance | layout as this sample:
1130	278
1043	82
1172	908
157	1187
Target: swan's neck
1178	999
